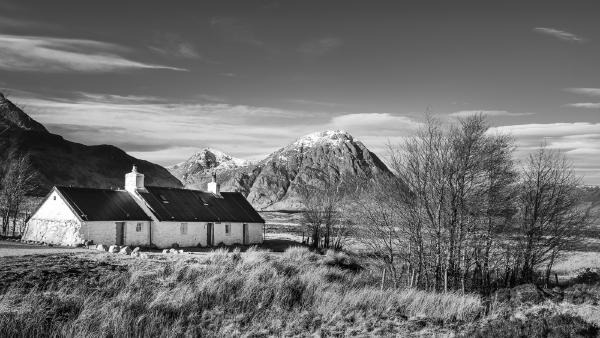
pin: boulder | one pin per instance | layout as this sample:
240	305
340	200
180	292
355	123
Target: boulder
114	249
125	250
135	254
173	251
180	251
137	248
165	251
101	247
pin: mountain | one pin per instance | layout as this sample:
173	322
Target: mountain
197	171
272	184
61	162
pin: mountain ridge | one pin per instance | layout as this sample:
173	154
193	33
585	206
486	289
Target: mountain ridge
272	183
61	162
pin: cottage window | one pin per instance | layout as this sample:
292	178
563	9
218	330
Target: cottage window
227	229
183	228
138	227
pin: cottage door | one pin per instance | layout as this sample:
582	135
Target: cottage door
120	233
210	234
245	234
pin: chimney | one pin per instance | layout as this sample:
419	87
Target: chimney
134	180
214	187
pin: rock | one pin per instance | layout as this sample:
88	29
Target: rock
125	250
165	251
526	293
180	251
143	255
137	248
135	254
114	249
101	247
173	251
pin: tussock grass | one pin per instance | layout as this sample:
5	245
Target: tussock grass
229	294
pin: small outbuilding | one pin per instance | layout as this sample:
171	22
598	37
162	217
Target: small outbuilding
145	216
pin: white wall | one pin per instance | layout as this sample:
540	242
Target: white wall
54	222
236	236
134	238
164	234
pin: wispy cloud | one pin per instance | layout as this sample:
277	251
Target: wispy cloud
579	140
559	34
464	113
586	105
584	91
46	54
169	44
321	46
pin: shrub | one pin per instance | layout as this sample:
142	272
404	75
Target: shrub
587	276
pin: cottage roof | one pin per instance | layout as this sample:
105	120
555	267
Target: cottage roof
184	205
102	204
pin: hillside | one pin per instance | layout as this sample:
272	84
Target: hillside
271	184
61	162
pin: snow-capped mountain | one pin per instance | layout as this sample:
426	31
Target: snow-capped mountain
271	184
196	171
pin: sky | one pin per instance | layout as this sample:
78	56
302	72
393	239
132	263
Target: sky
164	79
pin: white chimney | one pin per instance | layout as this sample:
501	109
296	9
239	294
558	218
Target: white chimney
134	180
214	187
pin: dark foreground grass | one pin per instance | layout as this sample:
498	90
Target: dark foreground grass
297	293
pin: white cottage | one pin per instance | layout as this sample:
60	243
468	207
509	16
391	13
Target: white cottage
142	216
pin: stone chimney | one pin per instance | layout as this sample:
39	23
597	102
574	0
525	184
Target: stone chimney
214	187
134	180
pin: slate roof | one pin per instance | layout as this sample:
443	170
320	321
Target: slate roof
103	204
184	205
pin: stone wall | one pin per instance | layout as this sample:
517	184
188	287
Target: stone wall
63	232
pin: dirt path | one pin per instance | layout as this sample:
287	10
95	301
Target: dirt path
9	249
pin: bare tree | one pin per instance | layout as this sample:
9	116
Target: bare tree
550	212
19	181
321	196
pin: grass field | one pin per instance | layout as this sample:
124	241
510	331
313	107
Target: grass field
256	293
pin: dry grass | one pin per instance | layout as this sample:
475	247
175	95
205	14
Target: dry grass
575	261
229	294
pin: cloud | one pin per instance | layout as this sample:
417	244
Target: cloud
384	124
579	140
321	46
46	54
464	113
587	105
168	44
559	34
584	91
